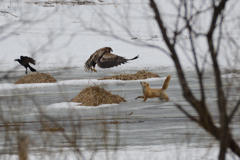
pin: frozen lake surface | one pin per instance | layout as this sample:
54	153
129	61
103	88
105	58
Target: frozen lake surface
130	126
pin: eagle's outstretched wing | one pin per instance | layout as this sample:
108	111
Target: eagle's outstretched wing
110	60
104	59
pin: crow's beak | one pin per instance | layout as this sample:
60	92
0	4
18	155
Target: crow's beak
15	59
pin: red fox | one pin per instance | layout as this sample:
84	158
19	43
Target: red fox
153	93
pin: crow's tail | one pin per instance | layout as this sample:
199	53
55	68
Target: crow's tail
32	69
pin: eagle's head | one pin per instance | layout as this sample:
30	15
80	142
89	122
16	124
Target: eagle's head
108	49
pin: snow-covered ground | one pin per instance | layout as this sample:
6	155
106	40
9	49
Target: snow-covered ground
155	152
61	37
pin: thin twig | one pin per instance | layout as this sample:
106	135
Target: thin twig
6	12
187	114
233	112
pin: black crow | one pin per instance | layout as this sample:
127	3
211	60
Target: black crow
24	61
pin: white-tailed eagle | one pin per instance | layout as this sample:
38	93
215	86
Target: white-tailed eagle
104	59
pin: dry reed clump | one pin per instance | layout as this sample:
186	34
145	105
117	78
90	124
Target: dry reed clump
36	78
124	122
62	3
56	128
95	95
143	74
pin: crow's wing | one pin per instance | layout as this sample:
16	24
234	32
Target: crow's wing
28	59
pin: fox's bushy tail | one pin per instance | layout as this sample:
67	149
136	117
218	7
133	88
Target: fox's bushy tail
166	83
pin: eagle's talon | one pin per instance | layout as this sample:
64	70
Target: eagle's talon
93	69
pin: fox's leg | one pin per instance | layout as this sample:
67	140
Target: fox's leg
164	96
139	97
145	98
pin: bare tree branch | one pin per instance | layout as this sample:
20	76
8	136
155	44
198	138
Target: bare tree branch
222	134
233	112
187	114
224	139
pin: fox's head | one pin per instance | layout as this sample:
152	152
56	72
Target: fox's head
144	85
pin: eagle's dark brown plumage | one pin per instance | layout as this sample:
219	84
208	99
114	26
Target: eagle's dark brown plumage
104	59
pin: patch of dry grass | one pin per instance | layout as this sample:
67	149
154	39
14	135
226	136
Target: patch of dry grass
56	128
122	122
95	96
143	74
36	78
62	2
